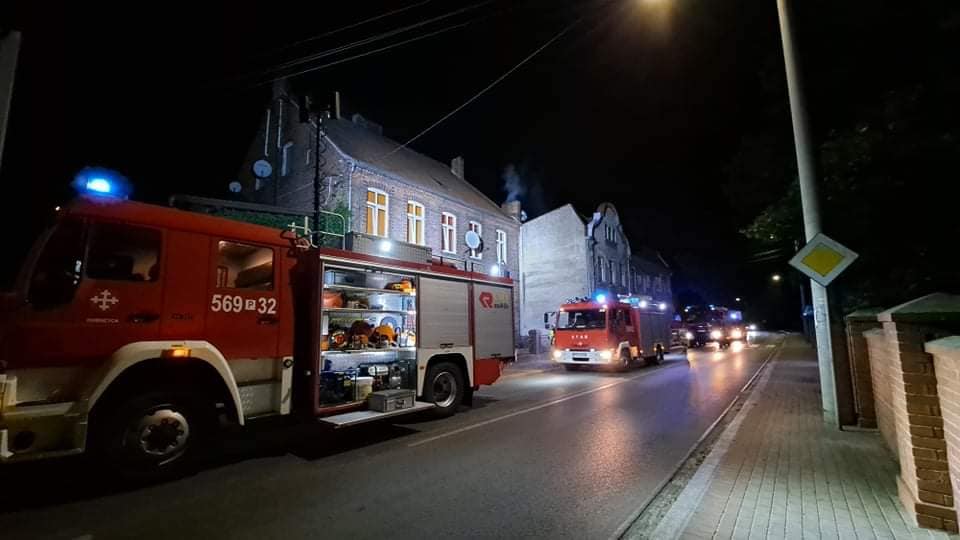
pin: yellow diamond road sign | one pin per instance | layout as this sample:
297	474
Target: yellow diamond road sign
822	259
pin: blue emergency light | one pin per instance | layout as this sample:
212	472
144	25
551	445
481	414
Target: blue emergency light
601	298
101	182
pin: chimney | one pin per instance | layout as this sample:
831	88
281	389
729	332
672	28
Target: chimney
512	209
456	166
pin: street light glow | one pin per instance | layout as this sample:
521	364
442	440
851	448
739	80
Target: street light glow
776	277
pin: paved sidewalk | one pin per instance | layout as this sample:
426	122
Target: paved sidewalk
778	472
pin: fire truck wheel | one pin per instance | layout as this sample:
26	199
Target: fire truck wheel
154	435
444	387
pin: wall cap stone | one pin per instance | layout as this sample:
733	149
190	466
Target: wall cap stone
864	315
932	308
945	347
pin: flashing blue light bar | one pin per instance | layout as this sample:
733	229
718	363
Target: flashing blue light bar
601	298
99	185
101	182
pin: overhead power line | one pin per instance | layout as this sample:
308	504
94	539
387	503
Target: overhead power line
374	51
485	89
347	27
365	41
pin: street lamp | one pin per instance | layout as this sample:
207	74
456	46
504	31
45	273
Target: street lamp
776	278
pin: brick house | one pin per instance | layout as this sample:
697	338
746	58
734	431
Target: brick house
565	255
383	192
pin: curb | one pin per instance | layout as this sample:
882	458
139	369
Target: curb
624	527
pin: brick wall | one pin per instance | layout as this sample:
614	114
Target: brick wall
908	406
860	369
882	374
946	359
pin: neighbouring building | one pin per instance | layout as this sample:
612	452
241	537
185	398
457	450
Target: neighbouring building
381	189
565	255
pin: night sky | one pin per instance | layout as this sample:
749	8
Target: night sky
642	103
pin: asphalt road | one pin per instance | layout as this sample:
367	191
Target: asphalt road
545	454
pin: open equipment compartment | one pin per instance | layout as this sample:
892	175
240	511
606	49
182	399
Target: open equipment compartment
368	336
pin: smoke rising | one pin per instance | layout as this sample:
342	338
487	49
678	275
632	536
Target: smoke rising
512	183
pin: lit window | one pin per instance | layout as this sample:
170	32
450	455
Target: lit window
477	228
448	231
415	223
377	212
501	247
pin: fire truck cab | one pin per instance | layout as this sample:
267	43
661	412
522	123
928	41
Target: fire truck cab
620	333
135	330
703	324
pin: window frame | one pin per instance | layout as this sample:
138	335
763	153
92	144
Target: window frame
373	209
416	236
448	228
90	239
476	253
602	277
217	265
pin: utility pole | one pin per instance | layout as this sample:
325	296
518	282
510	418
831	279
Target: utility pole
811	213
9	51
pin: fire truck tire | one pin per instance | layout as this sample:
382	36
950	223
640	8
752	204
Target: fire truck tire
154	435
444	387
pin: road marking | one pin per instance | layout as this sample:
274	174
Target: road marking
530	409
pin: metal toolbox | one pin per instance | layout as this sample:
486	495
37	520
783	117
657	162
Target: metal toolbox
391	400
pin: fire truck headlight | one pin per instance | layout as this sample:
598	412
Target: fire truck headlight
736	334
716	334
557	354
643	304
689	335
662	306
606	355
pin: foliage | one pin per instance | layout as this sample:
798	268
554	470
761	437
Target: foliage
886	190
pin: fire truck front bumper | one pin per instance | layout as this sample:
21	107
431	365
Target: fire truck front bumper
594	357
35	431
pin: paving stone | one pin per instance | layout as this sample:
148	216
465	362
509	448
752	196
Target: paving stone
786	475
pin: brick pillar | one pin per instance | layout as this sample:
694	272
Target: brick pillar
857	323
924	482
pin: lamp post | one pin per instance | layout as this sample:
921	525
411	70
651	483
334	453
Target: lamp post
810	205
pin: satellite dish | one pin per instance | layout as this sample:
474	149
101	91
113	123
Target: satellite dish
235	187
472	239
262	168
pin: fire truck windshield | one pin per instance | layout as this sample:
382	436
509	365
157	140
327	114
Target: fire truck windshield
582	318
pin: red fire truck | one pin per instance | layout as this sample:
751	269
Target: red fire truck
618	333
135	331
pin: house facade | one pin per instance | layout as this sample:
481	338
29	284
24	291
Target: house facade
565	255
380	189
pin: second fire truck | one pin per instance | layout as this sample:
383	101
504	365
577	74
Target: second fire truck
614	333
